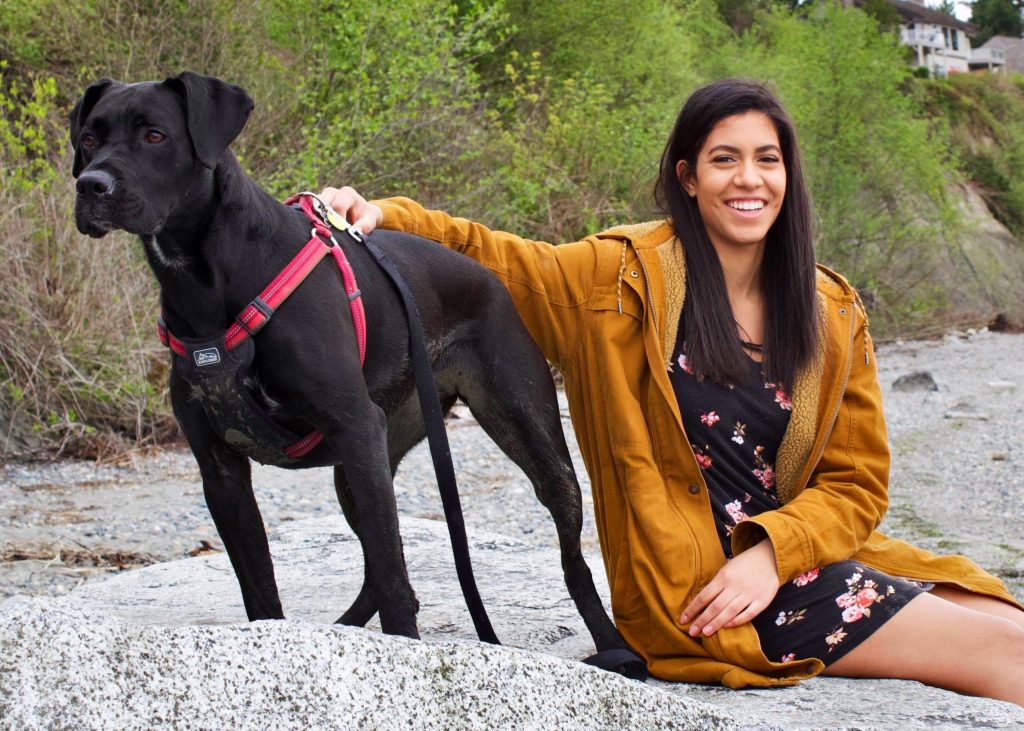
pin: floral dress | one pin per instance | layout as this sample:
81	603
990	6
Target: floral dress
735	431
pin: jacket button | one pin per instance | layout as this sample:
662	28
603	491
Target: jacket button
694	489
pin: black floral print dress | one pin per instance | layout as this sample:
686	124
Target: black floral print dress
735	431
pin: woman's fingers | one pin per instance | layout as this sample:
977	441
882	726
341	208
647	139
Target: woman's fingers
753	609
699	602
355	209
718	613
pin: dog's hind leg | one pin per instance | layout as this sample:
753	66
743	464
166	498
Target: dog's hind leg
365	604
405	431
514	400
366	493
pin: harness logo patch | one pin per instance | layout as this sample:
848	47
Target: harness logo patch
207	356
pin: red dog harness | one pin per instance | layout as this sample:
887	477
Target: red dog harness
258	312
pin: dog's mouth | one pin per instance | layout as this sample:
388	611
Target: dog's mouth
98	217
90	225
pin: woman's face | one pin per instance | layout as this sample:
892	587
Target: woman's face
739	182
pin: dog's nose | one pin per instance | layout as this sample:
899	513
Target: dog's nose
95	183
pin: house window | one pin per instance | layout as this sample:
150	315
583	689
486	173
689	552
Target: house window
956	40
945	37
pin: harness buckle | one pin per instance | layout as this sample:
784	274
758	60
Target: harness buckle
262	308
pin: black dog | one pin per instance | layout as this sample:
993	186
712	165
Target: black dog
153	159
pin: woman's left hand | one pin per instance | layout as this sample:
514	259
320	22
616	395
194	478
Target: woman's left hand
738	593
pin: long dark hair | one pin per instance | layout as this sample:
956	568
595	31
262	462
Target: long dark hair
787	272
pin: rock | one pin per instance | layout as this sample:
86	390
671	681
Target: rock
167	646
86	670
916	381
1003	386
966	409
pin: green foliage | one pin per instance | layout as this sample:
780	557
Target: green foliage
397	108
26	126
996	18
986	126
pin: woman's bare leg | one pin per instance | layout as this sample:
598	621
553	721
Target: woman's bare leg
941	643
979	602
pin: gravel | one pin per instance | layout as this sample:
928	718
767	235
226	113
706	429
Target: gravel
956	482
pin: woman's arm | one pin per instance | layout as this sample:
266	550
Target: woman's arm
550	285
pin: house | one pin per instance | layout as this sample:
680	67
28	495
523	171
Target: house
1011	48
941	42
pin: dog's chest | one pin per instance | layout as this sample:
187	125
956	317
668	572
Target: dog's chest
222	381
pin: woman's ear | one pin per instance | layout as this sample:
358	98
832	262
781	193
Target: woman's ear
686	179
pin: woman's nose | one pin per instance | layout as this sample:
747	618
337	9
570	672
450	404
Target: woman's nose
748	176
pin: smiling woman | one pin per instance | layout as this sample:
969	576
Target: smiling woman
725	397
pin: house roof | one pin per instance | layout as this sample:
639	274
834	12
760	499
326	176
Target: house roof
912	12
1012	47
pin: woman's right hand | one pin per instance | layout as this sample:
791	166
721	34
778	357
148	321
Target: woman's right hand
355	209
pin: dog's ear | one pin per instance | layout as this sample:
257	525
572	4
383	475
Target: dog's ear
216	112
80	112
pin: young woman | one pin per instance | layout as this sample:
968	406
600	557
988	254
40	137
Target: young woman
724	395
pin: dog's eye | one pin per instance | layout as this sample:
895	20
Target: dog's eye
155	138
87	142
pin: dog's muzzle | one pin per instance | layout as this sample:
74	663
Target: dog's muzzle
94	204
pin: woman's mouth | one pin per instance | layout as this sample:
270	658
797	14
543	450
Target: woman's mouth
747	207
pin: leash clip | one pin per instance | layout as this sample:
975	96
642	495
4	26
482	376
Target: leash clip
329	216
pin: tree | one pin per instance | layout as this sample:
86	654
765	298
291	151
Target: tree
996	18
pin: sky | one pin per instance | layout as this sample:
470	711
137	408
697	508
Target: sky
963	11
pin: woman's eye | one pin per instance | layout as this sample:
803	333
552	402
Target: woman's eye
87	142
154	138
771	159
722	158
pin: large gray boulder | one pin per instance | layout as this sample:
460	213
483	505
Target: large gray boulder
167	646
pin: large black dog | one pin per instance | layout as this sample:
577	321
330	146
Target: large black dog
153	159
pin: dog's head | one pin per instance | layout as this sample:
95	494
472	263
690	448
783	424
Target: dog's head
139	148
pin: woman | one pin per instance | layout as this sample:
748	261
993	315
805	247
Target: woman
725	399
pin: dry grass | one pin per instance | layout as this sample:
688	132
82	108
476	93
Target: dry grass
83	558
81	371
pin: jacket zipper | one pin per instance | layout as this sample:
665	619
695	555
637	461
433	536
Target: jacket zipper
839	404
650	294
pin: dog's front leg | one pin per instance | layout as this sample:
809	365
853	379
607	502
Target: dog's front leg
227	486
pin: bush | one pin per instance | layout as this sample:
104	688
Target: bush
986	128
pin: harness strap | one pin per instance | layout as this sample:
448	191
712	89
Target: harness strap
257	313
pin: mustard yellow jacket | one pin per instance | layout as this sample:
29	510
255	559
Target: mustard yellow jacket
605	310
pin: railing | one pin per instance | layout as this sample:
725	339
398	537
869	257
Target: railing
994	56
928	39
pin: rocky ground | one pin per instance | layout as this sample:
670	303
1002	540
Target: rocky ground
957	482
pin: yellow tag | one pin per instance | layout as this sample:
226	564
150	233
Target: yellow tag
335	219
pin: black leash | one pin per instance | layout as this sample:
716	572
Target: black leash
437	437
